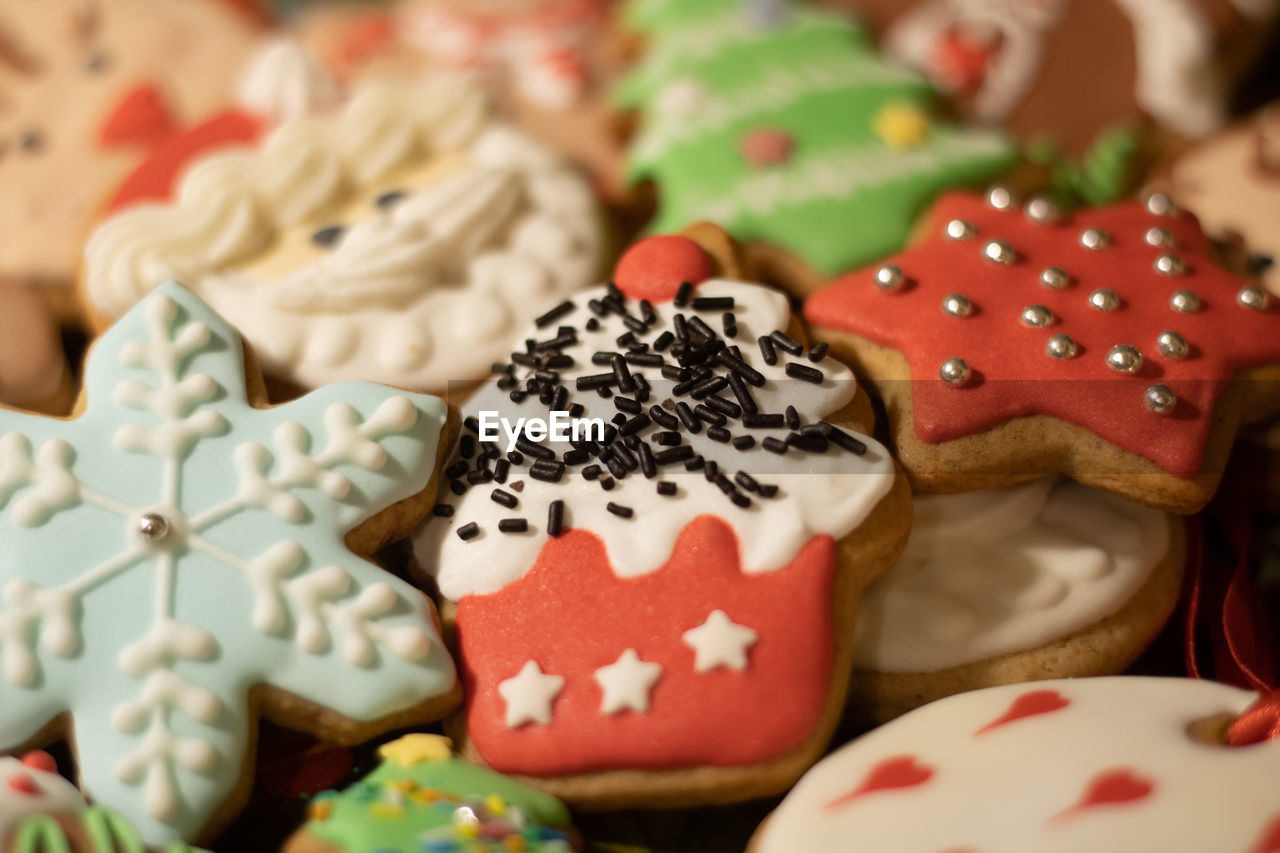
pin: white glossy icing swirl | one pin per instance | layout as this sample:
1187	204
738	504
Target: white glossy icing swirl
1004	570
283	81
829	493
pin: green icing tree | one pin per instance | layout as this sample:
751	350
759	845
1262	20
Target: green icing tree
781	123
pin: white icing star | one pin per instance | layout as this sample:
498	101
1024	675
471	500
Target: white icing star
626	683
719	641
529	695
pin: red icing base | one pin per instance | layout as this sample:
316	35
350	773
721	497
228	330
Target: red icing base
573	615
655	268
1012	376
156	177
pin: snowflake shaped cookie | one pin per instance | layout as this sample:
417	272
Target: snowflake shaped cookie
174	547
1104	344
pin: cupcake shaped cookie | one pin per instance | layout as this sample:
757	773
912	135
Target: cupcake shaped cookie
424	799
1046	579
658	607
1122	763
405	240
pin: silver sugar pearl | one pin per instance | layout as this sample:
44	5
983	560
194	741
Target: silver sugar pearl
889	277
1184	302
1094	239
1036	316
1173	345
1060	346
958	229
1160	399
1253	297
1000	197
1042	211
1124	358
954	371
1104	300
1158	237
957	305
999	252
1170	265
1159	204
152	526
1054	278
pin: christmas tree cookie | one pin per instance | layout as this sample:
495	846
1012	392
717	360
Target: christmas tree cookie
179	560
781	123
424	799
1017	340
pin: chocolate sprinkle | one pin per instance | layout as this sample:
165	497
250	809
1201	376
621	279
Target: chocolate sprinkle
442	510
803	372
513	525
468	531
555	518
554	314
500	496
619	510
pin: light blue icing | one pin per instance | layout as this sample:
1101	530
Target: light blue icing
87	526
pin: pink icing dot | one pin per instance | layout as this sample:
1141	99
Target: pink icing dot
767	147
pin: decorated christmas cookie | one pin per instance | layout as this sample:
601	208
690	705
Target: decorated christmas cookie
1055	767
704	549
33	369
1232	183
1046	579
88	88
1015	341
1068	69
403	241
781	123
423	798
41	812
178	561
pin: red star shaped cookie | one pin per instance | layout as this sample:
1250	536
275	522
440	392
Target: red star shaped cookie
1103	344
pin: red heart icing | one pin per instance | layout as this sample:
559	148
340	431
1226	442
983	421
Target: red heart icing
902	771
140	117
655	268
40	760
1270	840
1028	705
1111	788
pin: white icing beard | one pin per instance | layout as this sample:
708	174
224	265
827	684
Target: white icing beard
1005	570
282	81
55	796
1012	788
828	493
422	293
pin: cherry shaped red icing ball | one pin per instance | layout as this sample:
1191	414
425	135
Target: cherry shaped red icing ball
38	759
655	267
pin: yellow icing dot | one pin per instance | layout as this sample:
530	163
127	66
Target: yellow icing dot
495	804
901	125
407	786
416	748
387	810
320	809
468	830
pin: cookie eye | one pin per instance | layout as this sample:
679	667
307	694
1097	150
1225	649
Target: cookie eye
326	237
31	141
1260	263
389	199
98	62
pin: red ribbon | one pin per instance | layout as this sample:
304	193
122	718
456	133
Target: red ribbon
1241	649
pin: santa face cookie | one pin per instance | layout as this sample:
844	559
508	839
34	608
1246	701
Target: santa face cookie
1014	342
1046	579
1231	182
422	797
171	490
41	811
707	545
1067	69
1055	767
88	88
781	123
404	241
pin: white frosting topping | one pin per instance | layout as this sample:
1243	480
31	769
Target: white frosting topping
416	293
1013	787
53	795
283	81
991	572
828	493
